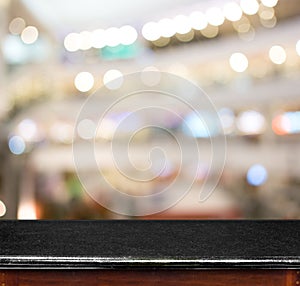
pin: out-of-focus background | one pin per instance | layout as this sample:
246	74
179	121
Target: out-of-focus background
244	54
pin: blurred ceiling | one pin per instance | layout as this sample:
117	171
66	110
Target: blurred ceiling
69	15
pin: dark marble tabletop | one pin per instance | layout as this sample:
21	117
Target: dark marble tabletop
136	243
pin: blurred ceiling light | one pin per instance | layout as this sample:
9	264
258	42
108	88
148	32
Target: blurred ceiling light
298	47
251	122
128	35
182	24
215	16
266	13
151	31
238	62
72	42
2	209
16	145
84	81
240	25
98	38
17	25
210	31
277	55
167	28
269	3
232	11
227	119
257	175
85	38
112	37
186	37
250	7
28	130
113	79
29	35
271	23
86	129
161	42
243	28
198	20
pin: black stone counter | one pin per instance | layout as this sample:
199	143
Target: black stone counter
112	244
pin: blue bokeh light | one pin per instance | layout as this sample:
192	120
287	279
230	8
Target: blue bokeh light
257	175
16	145
200	125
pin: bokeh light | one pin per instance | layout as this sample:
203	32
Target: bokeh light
151	31
266	13
98	38
269	23
27	210
2	209
85	40
86	129
13	50
250	7
238	62
210	31
128	35
29	35
84	81
277	55
286	123
215	16
28	130
232	11
16	145
167	27
298	47
182	24
251	122
185	37
281	125
269	3
198	20
72	42
200	125
161	42
112	37
257	175
113	79
16	26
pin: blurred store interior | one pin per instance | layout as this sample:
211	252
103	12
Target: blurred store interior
245	55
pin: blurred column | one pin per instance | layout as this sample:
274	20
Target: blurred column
11	171
4	7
